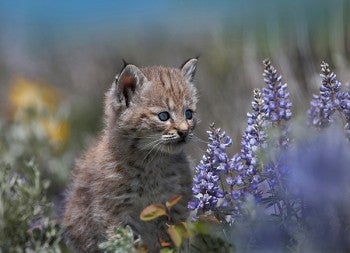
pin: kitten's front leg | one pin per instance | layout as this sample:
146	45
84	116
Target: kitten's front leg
151	233
180	212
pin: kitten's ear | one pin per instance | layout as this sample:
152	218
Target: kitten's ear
188	69
127	82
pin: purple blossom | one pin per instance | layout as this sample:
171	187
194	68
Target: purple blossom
276	95
281	179
235	180
271	175
206	179
344	97
278	112
242	176
254	137
323	107
277	102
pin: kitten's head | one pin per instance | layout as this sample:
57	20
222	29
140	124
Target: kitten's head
153	108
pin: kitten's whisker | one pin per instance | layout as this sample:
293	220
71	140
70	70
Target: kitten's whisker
154	145
149	136
196	138
150	151
195	141
150	144
197	147
156	151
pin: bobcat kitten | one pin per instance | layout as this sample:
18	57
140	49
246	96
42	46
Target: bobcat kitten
139	159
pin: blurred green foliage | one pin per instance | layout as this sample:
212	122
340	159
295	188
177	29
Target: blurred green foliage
123	241
25	223
34	164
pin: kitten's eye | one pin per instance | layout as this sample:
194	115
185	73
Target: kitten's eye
188	114
164	116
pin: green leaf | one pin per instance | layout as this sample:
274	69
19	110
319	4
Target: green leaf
178	232
173	201
167	250
175	235
152	212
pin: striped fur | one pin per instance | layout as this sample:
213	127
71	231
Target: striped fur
138	159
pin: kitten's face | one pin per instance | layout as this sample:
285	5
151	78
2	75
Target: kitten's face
161	113
166	113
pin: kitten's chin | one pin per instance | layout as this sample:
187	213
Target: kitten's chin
172	148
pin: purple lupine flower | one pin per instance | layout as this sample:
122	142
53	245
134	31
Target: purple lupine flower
254	135
321	175
241	175
276	95
344	105
270	174
253	138
206	179
277	101
278	112
323	107
235	177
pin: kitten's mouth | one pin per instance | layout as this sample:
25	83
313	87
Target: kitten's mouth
177	141
174	146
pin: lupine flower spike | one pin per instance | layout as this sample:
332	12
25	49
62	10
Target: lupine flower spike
206	179
242	173
254	137
323	107
278	113
277	101
276	95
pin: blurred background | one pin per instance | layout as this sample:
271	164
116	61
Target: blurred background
65	54
58	58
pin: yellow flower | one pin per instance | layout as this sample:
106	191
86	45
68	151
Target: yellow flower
56	130
37	102
26	94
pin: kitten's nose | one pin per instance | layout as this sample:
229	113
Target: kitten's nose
182	133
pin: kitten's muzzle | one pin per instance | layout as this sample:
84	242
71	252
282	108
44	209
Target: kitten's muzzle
178	137
182	134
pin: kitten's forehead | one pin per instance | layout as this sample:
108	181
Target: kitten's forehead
170	79
169	85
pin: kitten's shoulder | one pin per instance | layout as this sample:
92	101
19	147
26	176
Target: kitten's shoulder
93	157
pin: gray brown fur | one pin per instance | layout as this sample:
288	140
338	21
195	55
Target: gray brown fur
138	159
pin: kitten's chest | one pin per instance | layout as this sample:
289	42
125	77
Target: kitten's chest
161	181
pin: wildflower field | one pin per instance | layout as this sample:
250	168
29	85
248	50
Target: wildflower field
286	190
271	155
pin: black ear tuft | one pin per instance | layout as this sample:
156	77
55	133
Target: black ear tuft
125	63
189	68
130	79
